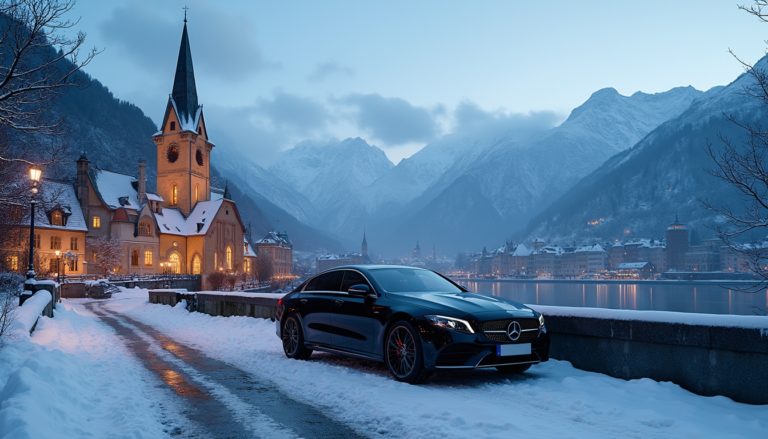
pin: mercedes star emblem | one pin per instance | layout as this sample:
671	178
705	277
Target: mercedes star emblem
514	330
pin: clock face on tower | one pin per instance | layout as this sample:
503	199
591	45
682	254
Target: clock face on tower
173	153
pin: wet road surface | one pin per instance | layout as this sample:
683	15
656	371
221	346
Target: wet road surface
220	400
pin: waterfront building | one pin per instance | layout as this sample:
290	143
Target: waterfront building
677	245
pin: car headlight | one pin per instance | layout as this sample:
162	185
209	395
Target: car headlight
542	327
451	323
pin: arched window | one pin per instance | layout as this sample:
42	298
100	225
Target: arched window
175	195
196	265
175	261
134	258
229	258
197	192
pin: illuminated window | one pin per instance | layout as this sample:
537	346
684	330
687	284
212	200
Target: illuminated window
196	265
73	243
55	243
175	195
247	265
57	219
148	258
96	222
229	258
175	262
134	258
13	263
216	259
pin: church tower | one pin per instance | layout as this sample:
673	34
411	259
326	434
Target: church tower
183	149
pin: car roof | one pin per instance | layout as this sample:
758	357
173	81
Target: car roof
371	267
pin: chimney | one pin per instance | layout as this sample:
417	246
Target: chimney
142	187
82	182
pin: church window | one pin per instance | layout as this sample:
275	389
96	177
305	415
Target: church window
96	222
199	157
175	261
175	195
247	265
173	126
57	219
173	153
229	258
197	192
196	265
148	258
134	258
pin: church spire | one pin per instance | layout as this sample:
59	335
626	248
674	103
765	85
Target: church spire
184	90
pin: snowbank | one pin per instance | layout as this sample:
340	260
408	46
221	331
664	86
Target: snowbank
551	400
720	320
26	315
75	379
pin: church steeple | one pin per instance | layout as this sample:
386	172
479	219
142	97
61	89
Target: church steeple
184	89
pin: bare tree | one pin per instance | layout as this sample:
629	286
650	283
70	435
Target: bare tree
744	166
106	253
263	268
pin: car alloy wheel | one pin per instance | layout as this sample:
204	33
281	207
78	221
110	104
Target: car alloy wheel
403	354
293	339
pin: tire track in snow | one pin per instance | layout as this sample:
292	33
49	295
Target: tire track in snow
258	405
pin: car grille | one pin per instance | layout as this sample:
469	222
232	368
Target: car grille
496	330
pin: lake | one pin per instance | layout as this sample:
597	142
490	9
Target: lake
682	296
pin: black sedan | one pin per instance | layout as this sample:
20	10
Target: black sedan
412	319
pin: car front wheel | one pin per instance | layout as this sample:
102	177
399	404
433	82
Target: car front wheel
403	353
293	339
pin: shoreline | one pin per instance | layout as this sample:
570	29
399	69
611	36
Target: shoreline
740	282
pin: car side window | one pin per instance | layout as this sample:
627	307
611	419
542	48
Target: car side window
353	278
325	282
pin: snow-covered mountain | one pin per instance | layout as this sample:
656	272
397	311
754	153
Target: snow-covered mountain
514	178
639	191
334	176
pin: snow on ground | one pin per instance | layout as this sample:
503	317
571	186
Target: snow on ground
551	400
75	379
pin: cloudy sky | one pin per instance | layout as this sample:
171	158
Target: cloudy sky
401	73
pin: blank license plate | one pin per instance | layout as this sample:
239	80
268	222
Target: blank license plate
505	350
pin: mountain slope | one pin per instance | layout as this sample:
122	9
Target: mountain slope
639	191
519	177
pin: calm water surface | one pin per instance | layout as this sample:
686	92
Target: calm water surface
699	297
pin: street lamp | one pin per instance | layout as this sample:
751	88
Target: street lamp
34	175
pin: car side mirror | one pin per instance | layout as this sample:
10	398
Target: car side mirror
360	290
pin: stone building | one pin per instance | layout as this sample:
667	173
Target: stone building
278	248
677	246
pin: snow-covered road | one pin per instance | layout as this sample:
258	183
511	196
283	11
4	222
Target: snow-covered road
551	400
127	368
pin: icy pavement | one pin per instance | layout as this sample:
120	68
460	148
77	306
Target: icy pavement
551	400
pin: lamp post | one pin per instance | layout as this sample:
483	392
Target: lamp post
58	266
34	175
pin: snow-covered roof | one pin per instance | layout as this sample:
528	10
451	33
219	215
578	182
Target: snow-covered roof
115	189
632	265
522	250
154	197
56	195
551	249
589	248
171	221
217	194
274	238
249	253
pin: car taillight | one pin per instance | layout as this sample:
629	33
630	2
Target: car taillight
280	302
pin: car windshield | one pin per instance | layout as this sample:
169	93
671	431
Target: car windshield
399	280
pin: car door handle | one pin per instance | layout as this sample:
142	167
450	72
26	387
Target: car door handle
302	301
338	302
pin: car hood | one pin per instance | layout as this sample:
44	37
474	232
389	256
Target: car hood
468	303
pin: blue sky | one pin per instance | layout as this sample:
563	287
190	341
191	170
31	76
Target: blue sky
401	73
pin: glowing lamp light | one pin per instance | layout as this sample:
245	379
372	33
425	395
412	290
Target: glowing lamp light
35	173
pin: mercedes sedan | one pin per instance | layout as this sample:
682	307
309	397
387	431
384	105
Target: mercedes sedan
412	319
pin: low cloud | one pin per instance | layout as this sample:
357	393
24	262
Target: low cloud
394	121
328	70
469	117
287	111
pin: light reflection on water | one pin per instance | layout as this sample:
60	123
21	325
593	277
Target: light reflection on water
674	296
